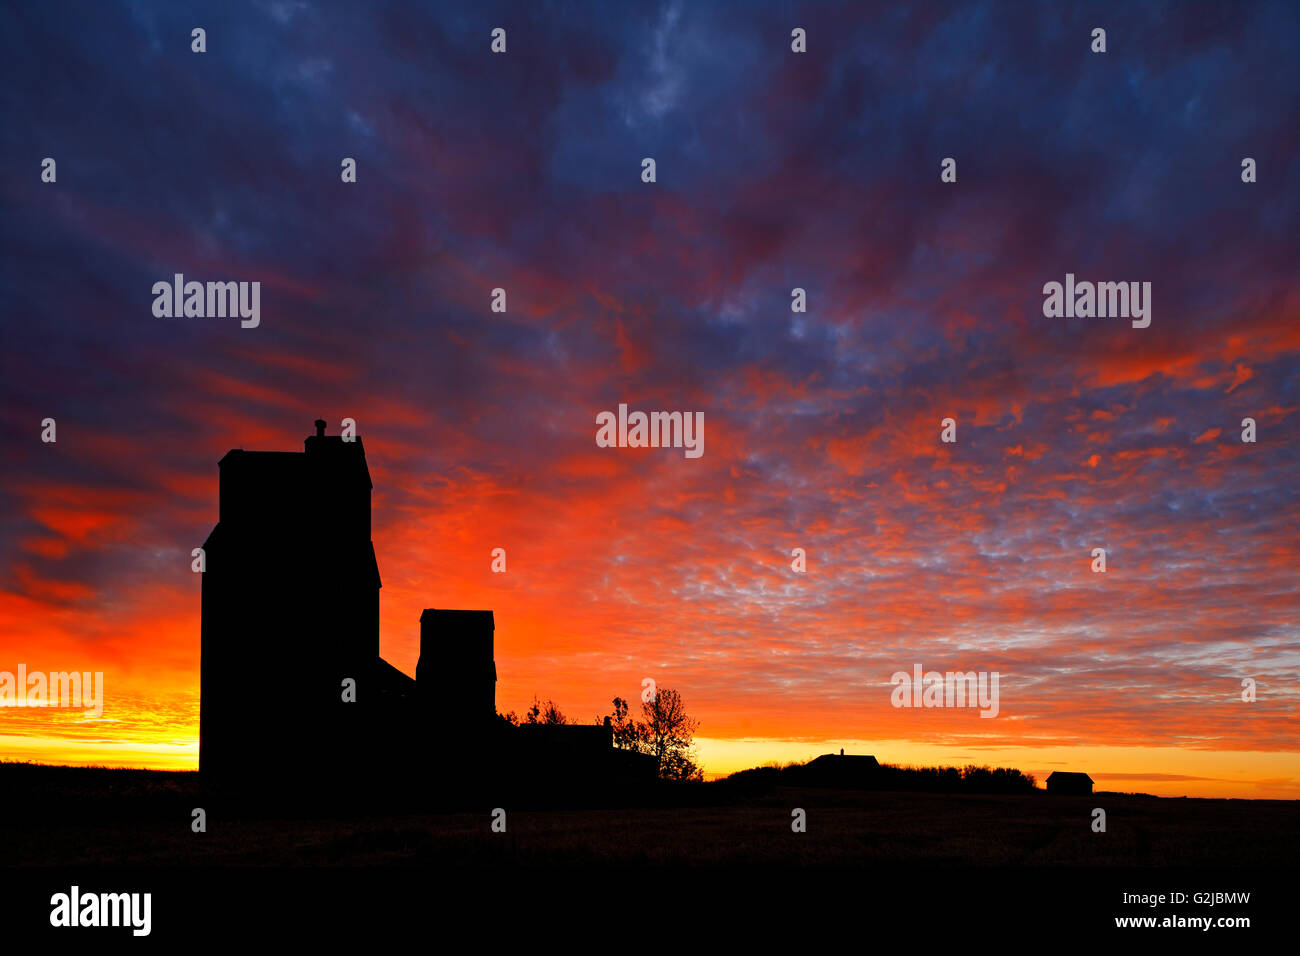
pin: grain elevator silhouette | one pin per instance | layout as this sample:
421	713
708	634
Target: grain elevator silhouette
293	685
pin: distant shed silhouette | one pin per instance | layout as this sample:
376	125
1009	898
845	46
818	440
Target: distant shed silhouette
1060	781
837	770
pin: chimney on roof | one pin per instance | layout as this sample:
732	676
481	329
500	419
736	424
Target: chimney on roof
320	428
841	751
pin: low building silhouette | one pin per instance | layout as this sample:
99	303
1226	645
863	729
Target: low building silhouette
292	684
1060	781
841	770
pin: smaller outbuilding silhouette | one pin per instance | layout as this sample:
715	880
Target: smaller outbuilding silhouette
1060	781
838	770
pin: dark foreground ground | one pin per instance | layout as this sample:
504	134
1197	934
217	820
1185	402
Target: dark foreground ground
705	864
57	817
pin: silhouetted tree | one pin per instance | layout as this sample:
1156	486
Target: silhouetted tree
670	734
544	712
968	779
667	733
627	736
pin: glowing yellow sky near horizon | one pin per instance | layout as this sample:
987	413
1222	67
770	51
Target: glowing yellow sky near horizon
151	720
58	750
1163	771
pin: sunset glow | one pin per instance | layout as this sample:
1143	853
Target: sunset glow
822	429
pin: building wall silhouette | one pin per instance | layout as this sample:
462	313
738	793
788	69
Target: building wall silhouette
456	673
291	611
1062	781
290	605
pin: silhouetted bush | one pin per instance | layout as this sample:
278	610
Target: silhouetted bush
969	779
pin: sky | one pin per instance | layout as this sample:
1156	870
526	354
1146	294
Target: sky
774	170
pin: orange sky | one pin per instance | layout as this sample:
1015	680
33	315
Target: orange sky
777	665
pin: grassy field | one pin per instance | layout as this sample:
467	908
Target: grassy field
79	817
